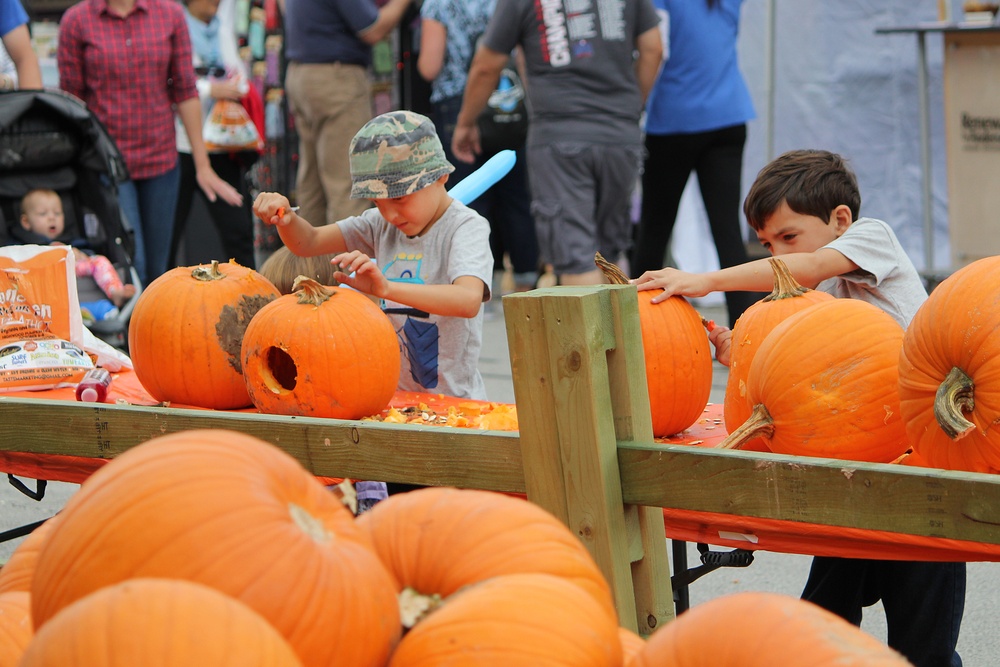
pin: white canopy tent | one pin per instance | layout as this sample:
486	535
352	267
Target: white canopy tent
821	77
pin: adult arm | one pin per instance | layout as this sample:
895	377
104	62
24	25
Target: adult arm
69	57
211	183
808	268
18	45
389	16
647	65
484	75
433	39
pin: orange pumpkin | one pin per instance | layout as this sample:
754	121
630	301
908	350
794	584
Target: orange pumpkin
678	358
949	372
15	626
466	536
321	352
158	623
514	619
750	330
632	644
239	515
186	331
763	630
16	573
823	383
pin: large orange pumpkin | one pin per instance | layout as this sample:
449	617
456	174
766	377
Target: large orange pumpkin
514	619
949	372
239	515
186	331
763	630
321	352
678	358
17	572
750	330
15	626
436	541
158	623
823	383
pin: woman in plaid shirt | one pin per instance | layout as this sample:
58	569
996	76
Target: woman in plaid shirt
130	62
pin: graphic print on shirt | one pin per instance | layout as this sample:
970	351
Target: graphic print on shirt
418	336
570	26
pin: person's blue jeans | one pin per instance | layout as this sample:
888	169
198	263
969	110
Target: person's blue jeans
149	204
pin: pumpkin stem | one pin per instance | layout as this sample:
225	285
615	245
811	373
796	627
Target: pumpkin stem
207	273
414	606
758	425
309	524
785	285
612	273
954	397
310	292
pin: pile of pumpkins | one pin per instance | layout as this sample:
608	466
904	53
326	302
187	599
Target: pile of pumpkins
812	375
210	547
221	336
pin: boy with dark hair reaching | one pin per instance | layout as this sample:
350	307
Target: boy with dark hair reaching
805	206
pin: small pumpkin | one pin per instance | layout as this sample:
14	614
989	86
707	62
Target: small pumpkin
949	372
15	626
239	515
677	354
787	298
186	331
158	623
823	383
17	572
763	630
321	352
514	619
436	541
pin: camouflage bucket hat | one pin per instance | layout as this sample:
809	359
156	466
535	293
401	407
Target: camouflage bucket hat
396	154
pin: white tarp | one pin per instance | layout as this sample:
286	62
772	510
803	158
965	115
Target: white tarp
839	86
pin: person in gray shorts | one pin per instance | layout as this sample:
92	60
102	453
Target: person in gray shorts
586	92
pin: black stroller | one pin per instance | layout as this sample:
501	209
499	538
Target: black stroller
49	139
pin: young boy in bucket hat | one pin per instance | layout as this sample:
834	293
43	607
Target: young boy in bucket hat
434	263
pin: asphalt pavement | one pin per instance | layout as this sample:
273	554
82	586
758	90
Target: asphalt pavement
979	643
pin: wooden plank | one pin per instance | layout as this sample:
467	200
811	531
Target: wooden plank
897	498
654	599
437	456
558	341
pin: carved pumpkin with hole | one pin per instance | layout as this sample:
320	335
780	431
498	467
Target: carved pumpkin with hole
750	330
824	383
239	515
186	332
158	623
677	355
321	352
949	372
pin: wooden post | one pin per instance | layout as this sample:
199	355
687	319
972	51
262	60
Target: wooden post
579	384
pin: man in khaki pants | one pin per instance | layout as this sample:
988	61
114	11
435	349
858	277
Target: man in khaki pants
328	45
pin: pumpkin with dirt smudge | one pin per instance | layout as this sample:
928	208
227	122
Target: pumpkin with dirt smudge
187	329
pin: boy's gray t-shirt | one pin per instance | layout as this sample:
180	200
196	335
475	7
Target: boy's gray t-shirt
885	276
439	354
580	65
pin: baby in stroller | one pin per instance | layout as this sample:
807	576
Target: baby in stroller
43	222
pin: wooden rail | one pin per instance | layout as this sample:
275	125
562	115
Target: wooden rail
585	452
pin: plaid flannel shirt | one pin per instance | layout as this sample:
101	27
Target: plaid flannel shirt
130	71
